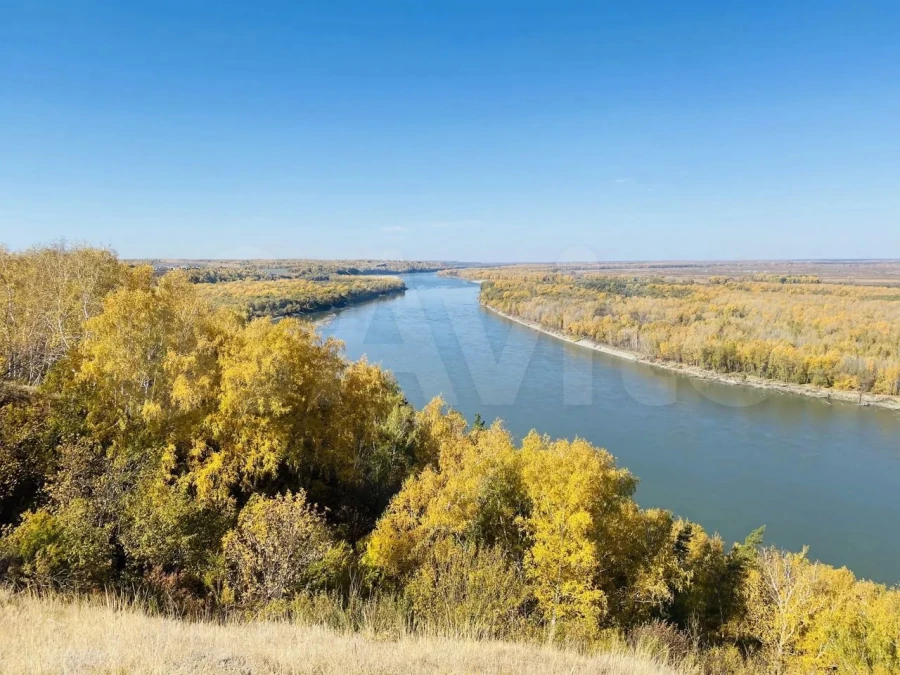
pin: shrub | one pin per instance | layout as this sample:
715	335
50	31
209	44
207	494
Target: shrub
663	641
279	547
65	550
163	528
465	590
26	456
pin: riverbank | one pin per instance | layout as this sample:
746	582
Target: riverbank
855	398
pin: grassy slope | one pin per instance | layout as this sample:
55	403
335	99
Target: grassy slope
52	636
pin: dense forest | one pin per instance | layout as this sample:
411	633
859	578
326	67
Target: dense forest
285	297
153	443
791	329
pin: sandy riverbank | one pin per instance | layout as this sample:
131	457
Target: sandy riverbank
876	400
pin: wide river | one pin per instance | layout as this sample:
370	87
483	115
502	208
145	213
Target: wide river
729	457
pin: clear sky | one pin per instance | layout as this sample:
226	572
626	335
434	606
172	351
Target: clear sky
443	130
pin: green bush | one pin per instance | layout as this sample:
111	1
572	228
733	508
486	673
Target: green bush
66	550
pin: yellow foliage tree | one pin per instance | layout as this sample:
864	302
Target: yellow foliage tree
573	488
782	597
46	296
560	511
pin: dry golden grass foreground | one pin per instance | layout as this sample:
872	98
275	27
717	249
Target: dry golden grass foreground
41	635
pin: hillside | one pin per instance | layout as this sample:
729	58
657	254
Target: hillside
158	448
51	636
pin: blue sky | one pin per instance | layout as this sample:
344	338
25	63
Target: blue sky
469	131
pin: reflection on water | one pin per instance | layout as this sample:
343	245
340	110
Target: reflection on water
729	457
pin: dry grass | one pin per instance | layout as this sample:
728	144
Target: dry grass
55	636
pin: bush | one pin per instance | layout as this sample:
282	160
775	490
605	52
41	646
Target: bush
468	591
165	529
65	550
26	456
663	641
280	547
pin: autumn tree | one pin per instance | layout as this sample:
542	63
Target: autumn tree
561	512
46	297
782	597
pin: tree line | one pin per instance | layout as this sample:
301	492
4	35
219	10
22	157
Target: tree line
216	463
216	271
285	297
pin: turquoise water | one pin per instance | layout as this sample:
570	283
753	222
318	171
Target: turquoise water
729	457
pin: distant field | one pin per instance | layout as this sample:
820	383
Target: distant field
877	272
285	297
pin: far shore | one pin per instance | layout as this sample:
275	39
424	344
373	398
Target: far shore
875	400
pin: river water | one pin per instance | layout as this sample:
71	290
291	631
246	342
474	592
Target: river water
729	457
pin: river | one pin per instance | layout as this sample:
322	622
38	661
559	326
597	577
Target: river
729	457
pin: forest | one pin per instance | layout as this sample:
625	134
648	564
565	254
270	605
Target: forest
285	297
792	329
155	444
